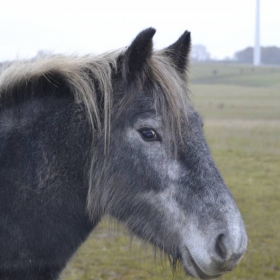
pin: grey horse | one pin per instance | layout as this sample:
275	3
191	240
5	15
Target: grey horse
82	137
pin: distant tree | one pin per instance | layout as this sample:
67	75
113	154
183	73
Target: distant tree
245	56
200	53
269	55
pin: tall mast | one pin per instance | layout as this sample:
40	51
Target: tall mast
257	50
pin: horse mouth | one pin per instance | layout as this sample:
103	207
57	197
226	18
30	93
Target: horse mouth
191	267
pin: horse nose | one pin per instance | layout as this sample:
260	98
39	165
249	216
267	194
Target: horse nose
221	246
228	251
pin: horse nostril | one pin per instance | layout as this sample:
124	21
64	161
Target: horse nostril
220	246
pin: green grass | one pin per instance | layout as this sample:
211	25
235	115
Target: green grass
236	102
229	74
241	114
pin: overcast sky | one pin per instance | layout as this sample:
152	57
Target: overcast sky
95	26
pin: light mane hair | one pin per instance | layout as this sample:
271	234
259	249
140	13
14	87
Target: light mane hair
76	72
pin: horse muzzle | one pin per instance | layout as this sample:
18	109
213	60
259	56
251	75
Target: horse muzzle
213	260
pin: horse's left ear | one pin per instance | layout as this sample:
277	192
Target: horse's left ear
179	52
138	53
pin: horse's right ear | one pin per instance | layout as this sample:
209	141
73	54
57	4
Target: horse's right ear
138	53
179	52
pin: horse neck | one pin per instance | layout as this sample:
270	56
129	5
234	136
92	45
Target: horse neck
44	149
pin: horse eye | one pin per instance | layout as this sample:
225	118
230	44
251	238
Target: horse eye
148	134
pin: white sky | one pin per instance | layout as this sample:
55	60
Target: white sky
95	26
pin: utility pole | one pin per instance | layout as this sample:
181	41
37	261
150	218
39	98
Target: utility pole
257	50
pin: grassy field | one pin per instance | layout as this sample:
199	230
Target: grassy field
241	110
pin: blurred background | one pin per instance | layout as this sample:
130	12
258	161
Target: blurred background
220	29
235	87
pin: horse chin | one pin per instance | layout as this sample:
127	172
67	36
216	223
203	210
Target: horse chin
192	268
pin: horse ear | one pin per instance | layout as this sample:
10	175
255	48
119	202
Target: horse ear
138	53
179	52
